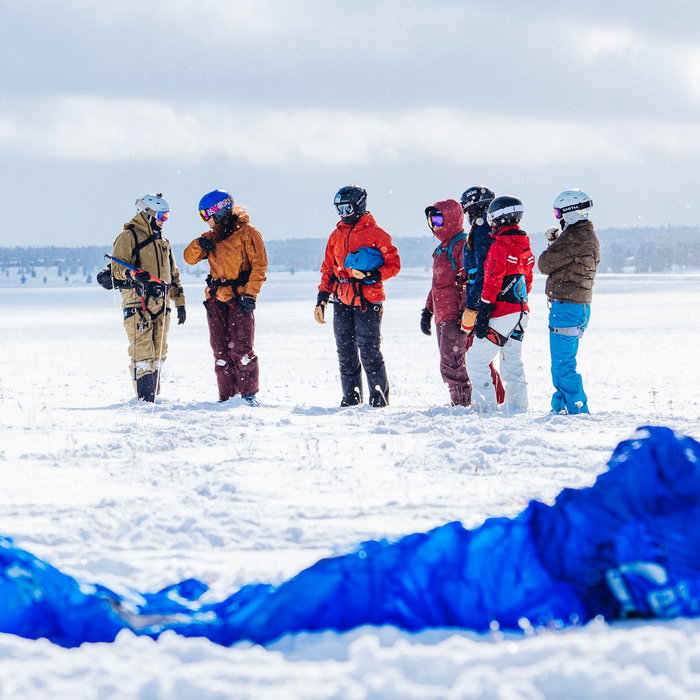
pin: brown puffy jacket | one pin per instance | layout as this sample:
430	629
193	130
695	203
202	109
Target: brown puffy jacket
242	252
156	257
571	262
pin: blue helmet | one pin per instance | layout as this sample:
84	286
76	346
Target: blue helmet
215	204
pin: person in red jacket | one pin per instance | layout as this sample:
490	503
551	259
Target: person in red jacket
503	310
446	298
359	257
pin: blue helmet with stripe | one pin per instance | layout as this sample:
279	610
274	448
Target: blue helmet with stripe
215	204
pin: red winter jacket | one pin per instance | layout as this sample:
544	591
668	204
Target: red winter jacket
337	280
510	254
446	299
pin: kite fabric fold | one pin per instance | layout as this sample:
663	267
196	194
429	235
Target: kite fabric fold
627	546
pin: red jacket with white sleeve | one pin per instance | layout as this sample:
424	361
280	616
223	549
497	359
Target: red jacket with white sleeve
510	254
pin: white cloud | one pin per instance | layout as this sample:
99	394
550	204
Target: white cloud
593	43
100	130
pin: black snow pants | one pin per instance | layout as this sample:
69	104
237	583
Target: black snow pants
358	336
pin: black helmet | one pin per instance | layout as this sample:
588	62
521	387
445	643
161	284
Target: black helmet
476	199
505	211
351	203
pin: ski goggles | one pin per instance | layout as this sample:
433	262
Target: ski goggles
491	216
162	215
436	221
206	214
559	213
345	210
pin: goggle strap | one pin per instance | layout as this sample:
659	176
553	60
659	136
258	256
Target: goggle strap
506	210
575	207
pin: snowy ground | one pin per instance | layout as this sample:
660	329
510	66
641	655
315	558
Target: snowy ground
141	497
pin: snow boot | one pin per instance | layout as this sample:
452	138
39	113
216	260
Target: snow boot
352	398
379	399
146	387
251	400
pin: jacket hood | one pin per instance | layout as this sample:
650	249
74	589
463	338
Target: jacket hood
243	216
140	224
454	219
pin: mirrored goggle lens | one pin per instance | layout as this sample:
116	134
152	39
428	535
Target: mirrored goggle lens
558	213
162	215
206	214
436	220
345	209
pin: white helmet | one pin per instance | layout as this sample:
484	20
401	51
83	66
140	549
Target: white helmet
154	205
572	206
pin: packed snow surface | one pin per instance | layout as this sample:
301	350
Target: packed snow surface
141	496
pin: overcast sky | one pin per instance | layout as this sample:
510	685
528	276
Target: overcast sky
282	102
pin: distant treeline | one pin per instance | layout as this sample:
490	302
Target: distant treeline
622	250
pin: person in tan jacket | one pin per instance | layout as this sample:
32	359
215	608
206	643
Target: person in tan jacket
237	264
146	304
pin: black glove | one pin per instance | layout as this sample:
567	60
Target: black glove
426	318
322	298
247	302
461	278
141	277
481	325
206	244
181	315
372	276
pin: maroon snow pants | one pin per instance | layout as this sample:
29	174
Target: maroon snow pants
232	333
453	345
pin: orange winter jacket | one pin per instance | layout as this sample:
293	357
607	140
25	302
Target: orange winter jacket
242	253
338	280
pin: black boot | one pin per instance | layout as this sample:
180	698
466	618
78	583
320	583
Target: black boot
146	387
379	398
352	398
352	390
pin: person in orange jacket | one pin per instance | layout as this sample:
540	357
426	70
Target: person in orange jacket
237	263
359	257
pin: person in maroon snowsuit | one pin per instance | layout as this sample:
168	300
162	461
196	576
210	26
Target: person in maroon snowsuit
446	298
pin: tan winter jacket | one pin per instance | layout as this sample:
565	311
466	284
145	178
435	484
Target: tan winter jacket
156	257
571	262
243	251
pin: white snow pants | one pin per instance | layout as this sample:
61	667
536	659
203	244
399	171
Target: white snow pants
482	353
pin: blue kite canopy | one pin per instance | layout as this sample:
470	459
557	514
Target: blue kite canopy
628	545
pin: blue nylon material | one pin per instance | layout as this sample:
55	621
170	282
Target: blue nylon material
638	525
364	259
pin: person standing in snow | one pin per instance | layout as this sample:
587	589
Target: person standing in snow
570	263
446	298
475	201
237	266
503	311
359	257
145	303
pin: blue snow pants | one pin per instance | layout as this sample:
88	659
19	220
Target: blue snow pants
568	383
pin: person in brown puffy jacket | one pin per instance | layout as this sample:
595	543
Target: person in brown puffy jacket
237	263
570	263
